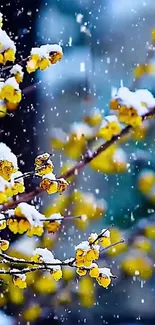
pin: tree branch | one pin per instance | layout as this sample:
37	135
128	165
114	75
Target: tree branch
82	163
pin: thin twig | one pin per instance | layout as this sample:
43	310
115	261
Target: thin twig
112	245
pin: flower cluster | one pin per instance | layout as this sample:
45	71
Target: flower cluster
17	72
26	219
42	57
46	256
7	46
131	105
87	252
49	183
11	180
19	280
109	127
10	95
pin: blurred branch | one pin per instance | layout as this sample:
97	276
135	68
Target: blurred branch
82	163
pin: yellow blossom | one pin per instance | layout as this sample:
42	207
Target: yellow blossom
3	198
53	226
43	64
49	186
103	281
94	272
57	275
13	225
3	225
35	231
9	55
6	169
11	106
129	116
4	245
17	188
19	282
32	65
105	241
55	57
81	271
109	131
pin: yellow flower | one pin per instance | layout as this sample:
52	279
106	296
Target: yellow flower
53	226
35	258
9	55
19	282
57	275
129	116
18	77
6	169
35	231
114	104
62	185
13	225
32	313
32	65
17	188
109	131
49	186
103	281
23	226
43	64
18	212
4	245
41	160
1	58
94	272
81	271
3	198
105	241
55	57
92	255
93	120
3	225
75	146
11	106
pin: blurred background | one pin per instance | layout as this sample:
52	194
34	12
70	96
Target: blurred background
100	51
